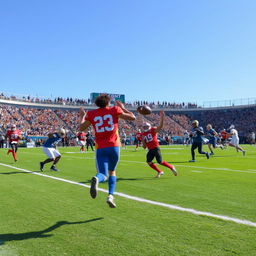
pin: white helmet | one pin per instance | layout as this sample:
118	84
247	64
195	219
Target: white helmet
13	127
146	126
231	126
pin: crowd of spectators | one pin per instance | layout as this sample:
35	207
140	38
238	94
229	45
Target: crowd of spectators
71	101
41	121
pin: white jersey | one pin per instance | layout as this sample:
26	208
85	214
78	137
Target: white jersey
234	134
235	139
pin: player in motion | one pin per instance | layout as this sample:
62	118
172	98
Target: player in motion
212	135
197	140
81	136
105	124
235	139
49	148
149	140
13	136
137	140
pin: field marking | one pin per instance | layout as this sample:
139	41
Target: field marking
139	199
196	171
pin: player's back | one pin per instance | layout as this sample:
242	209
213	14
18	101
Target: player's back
105	124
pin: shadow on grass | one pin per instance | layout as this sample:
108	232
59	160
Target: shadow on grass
7	173
41	233
121	179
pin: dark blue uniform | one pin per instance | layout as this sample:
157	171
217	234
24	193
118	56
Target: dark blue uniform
211	136
197	142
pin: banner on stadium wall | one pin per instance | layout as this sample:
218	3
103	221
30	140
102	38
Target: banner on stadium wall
113	96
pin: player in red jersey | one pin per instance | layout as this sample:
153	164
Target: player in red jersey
81	138
105	124
137	139
149	140
13	136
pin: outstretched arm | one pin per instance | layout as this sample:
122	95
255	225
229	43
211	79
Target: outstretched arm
160	126
127	115
84	124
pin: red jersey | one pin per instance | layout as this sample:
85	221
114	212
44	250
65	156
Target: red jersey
150	138
105	124
81	136
224	135
13	136
138	136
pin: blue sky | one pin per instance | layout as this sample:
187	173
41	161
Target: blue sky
166	50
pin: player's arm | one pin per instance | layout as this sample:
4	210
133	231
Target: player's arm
50	135
84	124
126	115
144	145
160	126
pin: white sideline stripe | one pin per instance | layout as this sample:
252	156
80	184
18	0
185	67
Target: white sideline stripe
139	199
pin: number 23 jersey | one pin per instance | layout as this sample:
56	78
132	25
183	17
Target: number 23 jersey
105	124
150	138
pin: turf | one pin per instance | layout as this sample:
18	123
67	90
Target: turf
42	216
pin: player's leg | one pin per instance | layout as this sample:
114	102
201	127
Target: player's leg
200	151
102	171
193	148
13	151
114	155
150	156
210	147
158	156
50	158
57	157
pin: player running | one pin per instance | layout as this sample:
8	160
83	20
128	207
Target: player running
81	136
235	139
49	148
105	124
212	135
137	140
149	140
13	135
197	140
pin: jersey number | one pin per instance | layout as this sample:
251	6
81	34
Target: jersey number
99	122
148	138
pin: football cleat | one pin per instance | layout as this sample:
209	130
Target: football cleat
110	201
174	171
159	174
192	161
244	153
53	168
207	155
94	187
41	166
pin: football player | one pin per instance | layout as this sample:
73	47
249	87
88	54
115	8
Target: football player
235	139
49	148
105	124
13	135
81	139
197	140
137	140
212	135
149	140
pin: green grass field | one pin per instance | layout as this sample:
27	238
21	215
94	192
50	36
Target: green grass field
45	216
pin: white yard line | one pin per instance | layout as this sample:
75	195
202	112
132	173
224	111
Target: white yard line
138	199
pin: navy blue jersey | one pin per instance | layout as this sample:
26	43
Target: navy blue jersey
197	134
51	142
211	133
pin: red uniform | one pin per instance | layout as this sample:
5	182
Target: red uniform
224	135
138	136
81	136
150	138
13	136
105	124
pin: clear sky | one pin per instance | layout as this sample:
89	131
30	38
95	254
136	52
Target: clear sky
166	50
